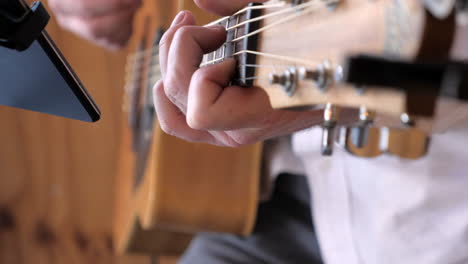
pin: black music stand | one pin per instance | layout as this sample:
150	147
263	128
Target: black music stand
33	73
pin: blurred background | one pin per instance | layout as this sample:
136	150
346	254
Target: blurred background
57	176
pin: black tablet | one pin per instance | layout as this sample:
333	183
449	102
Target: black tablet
40	79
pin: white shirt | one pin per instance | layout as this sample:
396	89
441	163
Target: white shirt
386	209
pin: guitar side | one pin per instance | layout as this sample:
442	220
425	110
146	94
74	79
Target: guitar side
185	187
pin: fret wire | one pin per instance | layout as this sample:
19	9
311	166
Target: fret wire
291	9
295	8
215	59
281	4
246	9
155	76
224	44
154	51
263	65
279	57
308	9
278	22
252	78
274	56
236	31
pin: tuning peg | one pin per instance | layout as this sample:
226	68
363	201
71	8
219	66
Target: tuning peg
287	80
324	75
330	119
360	132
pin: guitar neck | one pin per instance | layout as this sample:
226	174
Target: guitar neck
296	52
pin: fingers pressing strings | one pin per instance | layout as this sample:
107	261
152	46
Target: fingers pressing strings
172	121
304	9
188	46
153	52
185	18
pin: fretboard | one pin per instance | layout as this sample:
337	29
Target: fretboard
238	40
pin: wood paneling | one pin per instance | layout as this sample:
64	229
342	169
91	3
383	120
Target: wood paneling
57	175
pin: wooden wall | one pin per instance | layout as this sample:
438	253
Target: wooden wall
57	175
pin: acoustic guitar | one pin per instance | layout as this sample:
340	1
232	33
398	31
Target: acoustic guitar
299	52
169	189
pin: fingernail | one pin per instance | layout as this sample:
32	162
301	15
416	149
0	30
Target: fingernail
179	18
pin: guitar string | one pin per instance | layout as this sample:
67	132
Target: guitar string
281	4
289	9
154	66
137	54
269	55
155	69
132	72
304	8
131	66
310	9
304	11
293	8
264	54
295	61
155	75
152	51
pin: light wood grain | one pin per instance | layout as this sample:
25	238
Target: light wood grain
355	26
57	176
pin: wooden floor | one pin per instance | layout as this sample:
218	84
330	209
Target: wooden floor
57	175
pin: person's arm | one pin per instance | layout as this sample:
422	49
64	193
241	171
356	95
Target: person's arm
197	104
105	22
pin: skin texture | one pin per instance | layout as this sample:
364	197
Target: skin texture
197	104
105	22
193	104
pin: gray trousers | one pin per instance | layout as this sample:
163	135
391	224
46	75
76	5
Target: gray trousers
283	233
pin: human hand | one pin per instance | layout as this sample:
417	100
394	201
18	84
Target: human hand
107	23
197	104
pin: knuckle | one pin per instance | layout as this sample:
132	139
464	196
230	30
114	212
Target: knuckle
157	89
200	77
167	127
172	89
165	40
174	33
230	141
198	121
232	144
242	139
183	33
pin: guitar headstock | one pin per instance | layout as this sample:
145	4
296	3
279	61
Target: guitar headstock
301	61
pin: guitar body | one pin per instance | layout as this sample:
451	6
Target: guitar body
169	189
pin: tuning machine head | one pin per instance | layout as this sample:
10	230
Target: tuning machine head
287	80
324	75
330	120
